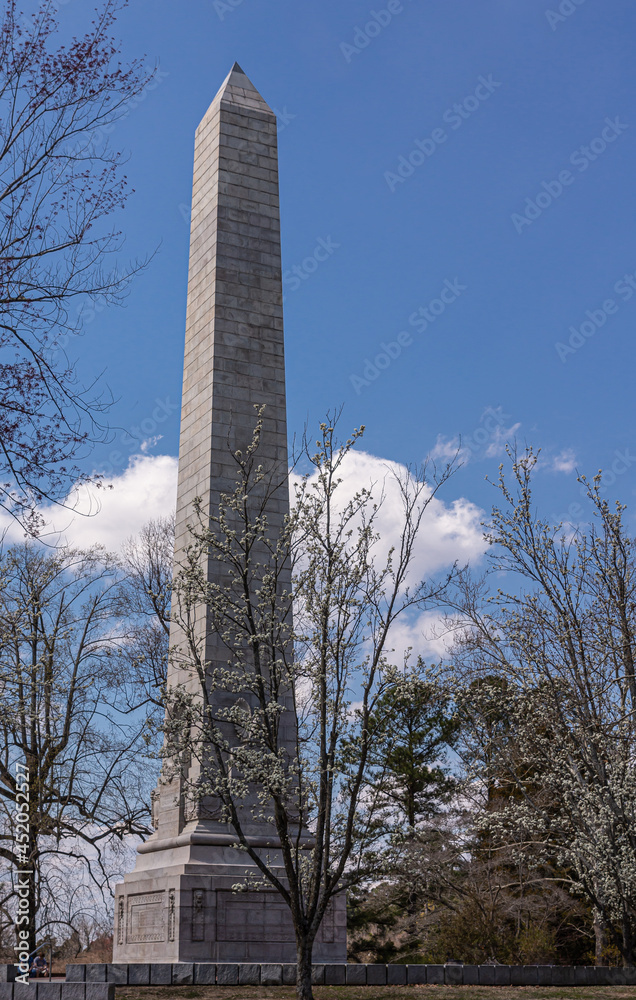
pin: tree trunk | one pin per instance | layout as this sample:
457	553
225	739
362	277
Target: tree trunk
32	930
304	949
600	939
33	867
629	943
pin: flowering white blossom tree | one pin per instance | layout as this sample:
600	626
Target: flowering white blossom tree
287	744
555	706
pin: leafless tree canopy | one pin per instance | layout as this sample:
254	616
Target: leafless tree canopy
145	595
59	185
61	642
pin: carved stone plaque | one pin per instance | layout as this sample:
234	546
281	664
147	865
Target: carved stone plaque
146	918
327	928
198	915
171	914
252	916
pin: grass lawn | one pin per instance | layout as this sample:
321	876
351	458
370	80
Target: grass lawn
378	992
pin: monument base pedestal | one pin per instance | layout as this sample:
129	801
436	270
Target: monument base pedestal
178	905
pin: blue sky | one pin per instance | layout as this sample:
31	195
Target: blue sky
483	150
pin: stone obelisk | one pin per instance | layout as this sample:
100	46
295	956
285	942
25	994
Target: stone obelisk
178	905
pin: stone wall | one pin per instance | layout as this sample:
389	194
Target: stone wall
226	974
43	990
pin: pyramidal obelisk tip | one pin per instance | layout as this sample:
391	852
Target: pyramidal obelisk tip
238	89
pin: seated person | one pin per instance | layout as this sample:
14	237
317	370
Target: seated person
39	966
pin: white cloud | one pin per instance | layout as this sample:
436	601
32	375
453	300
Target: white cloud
501	436
564	462
424	636
447	449
149	443
487	440
146	489
450	532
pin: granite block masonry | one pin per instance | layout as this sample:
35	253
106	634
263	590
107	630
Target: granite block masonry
42	990
177	906
454	974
